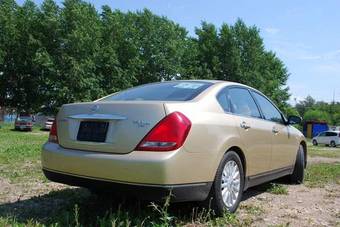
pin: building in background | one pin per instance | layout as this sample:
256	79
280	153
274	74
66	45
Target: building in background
313	128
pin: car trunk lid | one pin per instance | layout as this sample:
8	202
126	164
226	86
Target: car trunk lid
113	127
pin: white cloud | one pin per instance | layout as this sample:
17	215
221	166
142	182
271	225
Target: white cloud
272	30
301	51
330	68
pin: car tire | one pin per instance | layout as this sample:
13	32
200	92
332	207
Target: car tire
315	143
333	144
232	181
299	169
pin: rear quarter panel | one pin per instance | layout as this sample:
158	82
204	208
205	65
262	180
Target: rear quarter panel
213	132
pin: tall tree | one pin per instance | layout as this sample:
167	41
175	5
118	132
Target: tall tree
50	55
207	42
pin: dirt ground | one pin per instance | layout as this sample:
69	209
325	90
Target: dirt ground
318	159
302	206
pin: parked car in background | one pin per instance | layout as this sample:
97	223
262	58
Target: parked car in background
200	140
48	123
331	138
334	128
23	122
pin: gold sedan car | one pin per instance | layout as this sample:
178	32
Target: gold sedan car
202	140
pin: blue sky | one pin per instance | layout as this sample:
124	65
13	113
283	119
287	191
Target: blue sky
304	34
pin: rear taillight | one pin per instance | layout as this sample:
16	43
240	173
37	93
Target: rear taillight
169	134
53	138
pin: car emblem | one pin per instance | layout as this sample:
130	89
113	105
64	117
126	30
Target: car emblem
94	108
141	123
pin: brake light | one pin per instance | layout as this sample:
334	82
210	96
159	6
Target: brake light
53	137
169	134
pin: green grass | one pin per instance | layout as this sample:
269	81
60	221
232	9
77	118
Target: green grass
323	151
20	166
318	175
277	189
16	146
76	207
20	153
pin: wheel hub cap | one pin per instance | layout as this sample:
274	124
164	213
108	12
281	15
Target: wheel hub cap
230	183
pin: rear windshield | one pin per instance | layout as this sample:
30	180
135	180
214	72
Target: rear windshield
164	91
25	118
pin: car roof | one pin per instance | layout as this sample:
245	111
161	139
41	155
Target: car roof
331	131
211	81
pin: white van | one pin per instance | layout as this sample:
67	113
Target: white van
331	138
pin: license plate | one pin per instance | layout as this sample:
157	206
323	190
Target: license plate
92	131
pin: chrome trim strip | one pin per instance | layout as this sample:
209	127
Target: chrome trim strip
98	117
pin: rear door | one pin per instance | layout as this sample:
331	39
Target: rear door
284	146
331	136
254	132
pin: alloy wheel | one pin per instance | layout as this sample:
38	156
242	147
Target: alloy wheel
230	183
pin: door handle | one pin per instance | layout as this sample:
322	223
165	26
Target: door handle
244	125
274	130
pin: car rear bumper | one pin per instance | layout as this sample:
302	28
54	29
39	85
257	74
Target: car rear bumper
154	170
23	127
179	193
47	126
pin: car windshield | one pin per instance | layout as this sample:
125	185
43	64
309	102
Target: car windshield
164	91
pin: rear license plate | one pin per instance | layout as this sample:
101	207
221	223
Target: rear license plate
92	131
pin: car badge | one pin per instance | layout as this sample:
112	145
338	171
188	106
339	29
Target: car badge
94	108
141	123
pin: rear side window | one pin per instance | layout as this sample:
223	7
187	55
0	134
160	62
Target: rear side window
222	98
242	103
165	91
268	109
331	134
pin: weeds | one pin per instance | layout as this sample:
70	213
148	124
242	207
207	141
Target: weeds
277	189
165	217
252	209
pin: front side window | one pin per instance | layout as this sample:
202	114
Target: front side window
322	134
164	91
242	103
269	111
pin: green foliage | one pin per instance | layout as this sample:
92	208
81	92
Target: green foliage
317	115
305	104
51	55
237	53
278	189
291	111
319	111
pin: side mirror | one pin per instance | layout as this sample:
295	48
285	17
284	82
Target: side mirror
294	120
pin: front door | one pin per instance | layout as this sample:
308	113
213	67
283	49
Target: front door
284	147
322	138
